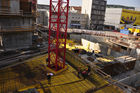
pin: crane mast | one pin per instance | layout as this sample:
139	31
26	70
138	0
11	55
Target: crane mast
58	21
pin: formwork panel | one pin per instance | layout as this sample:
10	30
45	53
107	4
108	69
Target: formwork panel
17	40
14	6
25	6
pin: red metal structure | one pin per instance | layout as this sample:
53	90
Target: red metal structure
57	33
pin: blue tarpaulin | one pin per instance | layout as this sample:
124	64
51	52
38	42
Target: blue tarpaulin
124	31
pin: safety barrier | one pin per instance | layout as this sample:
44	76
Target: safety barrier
97	33
8	12
16	28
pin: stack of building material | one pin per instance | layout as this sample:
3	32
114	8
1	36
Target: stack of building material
128	61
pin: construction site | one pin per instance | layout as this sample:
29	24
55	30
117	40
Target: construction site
54	58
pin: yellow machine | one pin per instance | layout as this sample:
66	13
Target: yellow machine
133	29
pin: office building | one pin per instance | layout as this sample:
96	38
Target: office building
95	9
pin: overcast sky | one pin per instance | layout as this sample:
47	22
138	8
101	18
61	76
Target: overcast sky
134	3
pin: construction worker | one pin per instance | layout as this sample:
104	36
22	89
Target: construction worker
88	69
47	61
84	74
79	72
49	75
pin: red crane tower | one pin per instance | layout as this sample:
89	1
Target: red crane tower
58	22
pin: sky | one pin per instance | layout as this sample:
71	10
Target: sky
134	3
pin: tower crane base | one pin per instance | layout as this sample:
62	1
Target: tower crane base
56	72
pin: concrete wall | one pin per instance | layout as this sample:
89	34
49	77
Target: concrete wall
14	6
4	4
1	42
90	45
16	40
133	80
96	39
0	3
9	23
113	16
137	66
17	29
103	46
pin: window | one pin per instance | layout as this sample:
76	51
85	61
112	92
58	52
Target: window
94	6
96	2
101	22
99	12
99	7
102	8
102	12
102	17
99	17
94	17
102	3
94	12
94	22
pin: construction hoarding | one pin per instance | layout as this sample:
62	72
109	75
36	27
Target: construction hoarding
130	17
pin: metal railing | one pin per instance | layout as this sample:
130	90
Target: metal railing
16	28
19	13
8	12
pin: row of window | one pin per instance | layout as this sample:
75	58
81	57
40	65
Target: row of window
97	12
75	22
97	22
99	2
98	7
97	17
75	17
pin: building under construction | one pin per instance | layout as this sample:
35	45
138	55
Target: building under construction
17	18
